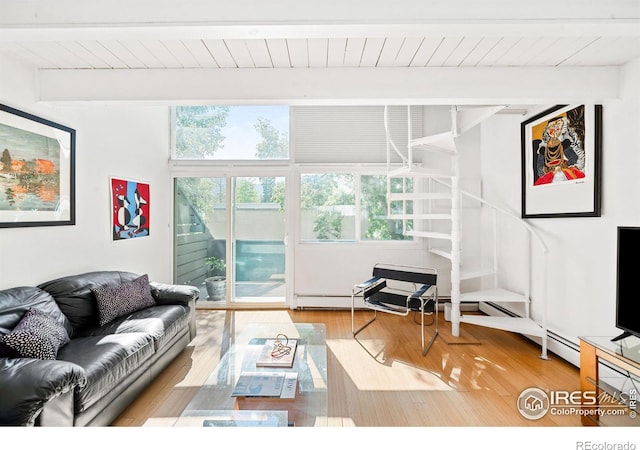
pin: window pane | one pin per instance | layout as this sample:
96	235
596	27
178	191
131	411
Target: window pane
374	215
232	132
327	204
200	230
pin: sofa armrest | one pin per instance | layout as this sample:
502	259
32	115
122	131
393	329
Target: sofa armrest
26	385
172	294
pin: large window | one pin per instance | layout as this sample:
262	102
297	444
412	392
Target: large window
351	207
231	132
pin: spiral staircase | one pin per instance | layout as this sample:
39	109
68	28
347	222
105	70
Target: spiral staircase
432	210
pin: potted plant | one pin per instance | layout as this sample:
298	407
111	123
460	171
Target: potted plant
216	281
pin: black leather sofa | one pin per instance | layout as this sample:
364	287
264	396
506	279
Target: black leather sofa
101	368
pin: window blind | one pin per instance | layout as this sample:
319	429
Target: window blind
349	134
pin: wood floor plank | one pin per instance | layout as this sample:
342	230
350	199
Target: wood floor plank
381	378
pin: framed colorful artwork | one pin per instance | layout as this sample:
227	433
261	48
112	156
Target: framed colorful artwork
561	162
37	171
130	202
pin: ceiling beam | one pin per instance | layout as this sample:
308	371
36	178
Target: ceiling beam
427	86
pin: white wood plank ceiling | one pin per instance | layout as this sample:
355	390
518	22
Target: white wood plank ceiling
426	51
165	34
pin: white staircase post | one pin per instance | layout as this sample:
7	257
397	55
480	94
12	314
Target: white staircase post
455	233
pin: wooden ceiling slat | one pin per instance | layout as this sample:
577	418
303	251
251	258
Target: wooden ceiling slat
162	54
317	49
353	52
200	53
259	53
240	53
446	47
426	50
298	52
336	51
279	52
219	51
102	51
371	52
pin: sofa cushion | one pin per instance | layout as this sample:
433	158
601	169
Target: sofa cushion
161	322
107	361
74	297
37	335
119	300
16	301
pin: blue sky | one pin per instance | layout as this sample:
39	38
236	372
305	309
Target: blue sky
241	136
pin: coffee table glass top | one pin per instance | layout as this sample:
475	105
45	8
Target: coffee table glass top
307	408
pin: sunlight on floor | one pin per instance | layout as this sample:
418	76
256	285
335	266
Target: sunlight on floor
368	374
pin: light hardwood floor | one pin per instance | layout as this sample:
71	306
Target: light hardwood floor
381	379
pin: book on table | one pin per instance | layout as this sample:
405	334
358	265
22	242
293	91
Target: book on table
266	384
246	419
270	357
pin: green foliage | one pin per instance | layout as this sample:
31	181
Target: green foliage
246	191
203	193
375	211
328	225
278	194
216	265
322	192
274	145
199	130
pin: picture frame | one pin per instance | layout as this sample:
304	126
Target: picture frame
561	162
130	206
37	171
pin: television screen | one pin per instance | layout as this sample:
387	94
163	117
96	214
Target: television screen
628	281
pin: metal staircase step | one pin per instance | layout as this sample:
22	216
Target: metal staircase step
468	274
469	117
443	142
428	234
419	216
496	295
418	172
443	253
419	196
513	324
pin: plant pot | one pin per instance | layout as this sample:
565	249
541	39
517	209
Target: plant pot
216	287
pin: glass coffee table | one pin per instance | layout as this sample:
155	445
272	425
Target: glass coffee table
214	404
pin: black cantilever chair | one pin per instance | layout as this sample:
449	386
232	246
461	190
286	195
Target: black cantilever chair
398	289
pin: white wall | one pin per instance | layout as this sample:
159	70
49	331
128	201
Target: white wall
129	142
132	141
581	272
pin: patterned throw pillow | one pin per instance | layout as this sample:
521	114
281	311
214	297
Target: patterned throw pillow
37	335
125	298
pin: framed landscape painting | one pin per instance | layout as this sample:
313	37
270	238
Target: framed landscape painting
37	171
561	162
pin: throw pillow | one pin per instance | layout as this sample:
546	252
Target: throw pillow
37	335
125	298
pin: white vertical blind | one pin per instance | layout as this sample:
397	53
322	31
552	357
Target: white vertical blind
349	134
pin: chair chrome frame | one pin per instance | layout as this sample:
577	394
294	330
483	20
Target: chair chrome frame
427	292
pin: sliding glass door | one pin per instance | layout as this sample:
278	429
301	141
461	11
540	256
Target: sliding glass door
230	239
258	239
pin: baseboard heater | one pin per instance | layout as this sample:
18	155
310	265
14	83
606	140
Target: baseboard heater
335	302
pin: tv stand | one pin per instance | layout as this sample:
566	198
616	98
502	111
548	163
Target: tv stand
600	398
626	334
